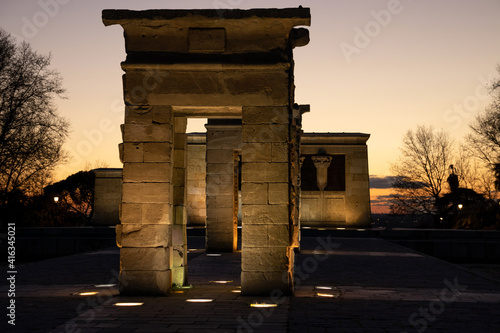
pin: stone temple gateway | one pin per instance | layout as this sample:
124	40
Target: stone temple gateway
221	65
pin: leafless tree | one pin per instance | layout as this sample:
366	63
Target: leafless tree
31	131
421	171
484	141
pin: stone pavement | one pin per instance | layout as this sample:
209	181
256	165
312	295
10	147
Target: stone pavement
343	285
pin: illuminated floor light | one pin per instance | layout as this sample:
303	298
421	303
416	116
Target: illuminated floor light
221	282
200	300
88	293
105	285
340	228
213	254
306	227
129	304
321	229
323	288
263	305
360	229
177	291
236	291
324	295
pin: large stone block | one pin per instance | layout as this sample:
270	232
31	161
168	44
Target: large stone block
220	156
219	179
264	133
136	213
223	139
163	114
220	201
256	151
264	214
179	177
207	40
279	234
132	152
147	133
145	282
255	235
145	259
221	214
138	114
265	115
217	169
278	193
265	172
264	259
254	193
280	152
147	172
157	213
143	235
265	283
146	193
219	189
157	152
130	213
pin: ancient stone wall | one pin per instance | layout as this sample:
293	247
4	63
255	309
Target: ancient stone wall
107	196
345	200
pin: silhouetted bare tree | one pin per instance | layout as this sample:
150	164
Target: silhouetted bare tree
31	131
421	171
484	142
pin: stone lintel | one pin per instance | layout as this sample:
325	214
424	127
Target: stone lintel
227	32
120	16
209	67
320	139
221	112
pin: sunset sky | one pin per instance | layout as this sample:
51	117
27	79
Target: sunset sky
378	67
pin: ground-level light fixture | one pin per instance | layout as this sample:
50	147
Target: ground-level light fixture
460	206
263	305
324	295
200	300
56	199
108	285
87	293
323	288
213	254
129	304
221	281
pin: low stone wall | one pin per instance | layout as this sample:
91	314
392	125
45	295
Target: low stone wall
42	243
459	246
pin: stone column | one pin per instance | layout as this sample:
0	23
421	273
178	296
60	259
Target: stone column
267	254
223	138
144	234
179	236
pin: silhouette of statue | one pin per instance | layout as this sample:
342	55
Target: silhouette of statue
453	180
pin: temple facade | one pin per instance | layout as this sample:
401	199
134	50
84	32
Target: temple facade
334	180
235	68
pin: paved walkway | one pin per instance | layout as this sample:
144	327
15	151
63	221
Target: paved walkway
343	285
